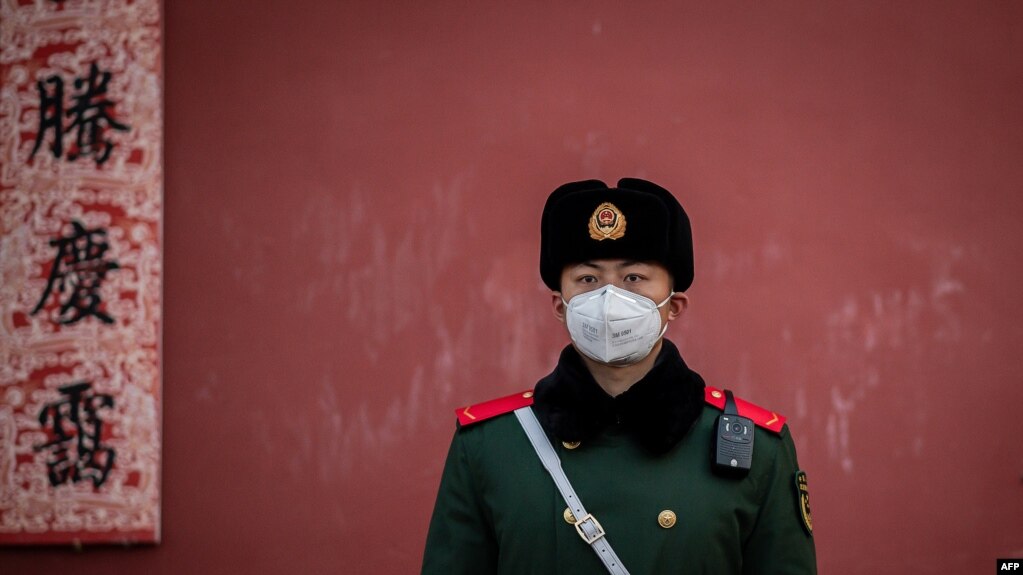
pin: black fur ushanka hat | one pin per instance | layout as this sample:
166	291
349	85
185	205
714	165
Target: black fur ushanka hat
638	220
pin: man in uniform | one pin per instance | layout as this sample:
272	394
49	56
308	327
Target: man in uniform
667	486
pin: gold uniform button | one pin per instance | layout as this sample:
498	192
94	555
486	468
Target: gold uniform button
527	394
568	516
666	519
715	394
571	444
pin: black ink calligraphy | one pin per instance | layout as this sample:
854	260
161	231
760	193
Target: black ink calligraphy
76	449
90	114
78	271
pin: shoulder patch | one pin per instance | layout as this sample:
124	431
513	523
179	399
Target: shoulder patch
483	411
803	495
765	418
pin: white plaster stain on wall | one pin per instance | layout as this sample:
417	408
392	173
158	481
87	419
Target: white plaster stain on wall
512	307
384	292
593	148
725	266
387	281
910	323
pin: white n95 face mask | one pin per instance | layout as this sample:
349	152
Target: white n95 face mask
614	326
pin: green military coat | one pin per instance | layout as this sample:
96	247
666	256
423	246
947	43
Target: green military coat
498	511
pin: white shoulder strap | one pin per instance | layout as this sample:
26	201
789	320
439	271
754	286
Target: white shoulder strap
587	526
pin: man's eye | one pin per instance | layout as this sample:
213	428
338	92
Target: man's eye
632	278
588	279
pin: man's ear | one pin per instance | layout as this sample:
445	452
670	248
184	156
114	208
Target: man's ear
677	305
558	306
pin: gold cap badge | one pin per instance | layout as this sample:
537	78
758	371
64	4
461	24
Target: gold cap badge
607	222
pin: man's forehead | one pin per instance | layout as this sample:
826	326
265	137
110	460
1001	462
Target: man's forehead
613	264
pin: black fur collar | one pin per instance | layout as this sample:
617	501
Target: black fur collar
657	410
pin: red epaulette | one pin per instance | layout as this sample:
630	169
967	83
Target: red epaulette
764	418
484	411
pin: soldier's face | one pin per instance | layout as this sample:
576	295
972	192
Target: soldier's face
648	279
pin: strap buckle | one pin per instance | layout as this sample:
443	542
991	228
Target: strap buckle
592	527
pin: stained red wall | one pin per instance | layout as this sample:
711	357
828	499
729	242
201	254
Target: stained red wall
353	193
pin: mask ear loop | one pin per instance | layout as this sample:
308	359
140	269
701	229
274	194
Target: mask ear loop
659	306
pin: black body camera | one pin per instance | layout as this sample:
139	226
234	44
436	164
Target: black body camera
733	441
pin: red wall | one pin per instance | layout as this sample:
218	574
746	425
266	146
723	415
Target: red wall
353	193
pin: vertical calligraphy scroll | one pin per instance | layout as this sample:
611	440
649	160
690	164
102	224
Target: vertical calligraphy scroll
80	270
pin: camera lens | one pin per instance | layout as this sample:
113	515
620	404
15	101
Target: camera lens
736	428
